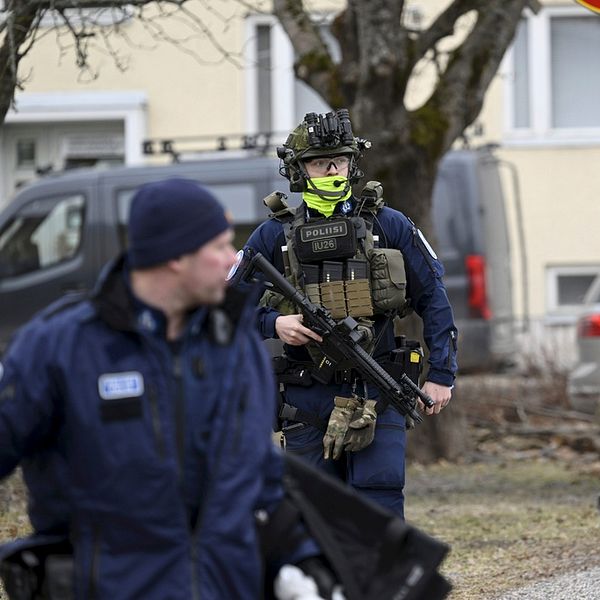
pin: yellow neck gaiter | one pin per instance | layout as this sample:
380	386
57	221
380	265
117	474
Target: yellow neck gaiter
333	194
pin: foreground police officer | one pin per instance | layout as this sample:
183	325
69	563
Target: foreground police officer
141	418
360	258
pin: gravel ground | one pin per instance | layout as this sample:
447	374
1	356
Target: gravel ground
584	585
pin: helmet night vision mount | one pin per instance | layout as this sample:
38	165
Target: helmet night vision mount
327	134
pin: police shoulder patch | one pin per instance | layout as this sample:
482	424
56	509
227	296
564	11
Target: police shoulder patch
112	386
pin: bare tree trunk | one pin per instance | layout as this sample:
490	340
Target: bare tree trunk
20	20
445	435
379	55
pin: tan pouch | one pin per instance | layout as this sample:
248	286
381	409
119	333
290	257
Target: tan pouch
388	279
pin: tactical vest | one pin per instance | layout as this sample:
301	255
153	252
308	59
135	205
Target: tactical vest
337	262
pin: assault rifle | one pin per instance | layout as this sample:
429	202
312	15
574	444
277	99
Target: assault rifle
341	340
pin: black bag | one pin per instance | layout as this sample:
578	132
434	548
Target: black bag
39	567
375	554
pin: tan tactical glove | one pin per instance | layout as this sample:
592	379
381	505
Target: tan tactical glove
339	420
361	429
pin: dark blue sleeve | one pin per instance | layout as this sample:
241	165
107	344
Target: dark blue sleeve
267	239
426	291
27	405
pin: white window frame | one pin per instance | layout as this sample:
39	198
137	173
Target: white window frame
540	131
565	313
51	107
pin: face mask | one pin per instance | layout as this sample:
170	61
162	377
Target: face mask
333	194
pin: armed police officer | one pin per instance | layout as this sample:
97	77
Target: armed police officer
356	257
140	417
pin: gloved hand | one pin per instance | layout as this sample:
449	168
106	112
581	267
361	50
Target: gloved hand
292	583
339	420
361	429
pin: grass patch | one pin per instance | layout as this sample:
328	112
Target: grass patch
508	523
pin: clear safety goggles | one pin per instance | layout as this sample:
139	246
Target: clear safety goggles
322	164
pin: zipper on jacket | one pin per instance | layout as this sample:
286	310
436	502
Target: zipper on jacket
156	424
179	412
194	560
208	491
451	347
94	563
199	520
237	423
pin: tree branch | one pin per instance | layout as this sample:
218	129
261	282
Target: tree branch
314	63
86	4
459	94
444	25
20	23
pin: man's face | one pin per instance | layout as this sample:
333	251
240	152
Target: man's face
325	166
203	274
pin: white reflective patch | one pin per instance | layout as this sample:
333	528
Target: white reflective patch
112	386
1	371
426	244
346	207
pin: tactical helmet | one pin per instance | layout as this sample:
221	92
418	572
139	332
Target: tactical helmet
327	134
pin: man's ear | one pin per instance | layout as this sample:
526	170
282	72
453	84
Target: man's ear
176	264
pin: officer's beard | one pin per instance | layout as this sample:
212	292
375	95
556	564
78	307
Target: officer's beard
323	193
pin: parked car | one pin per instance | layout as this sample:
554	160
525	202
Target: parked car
57	233
583	383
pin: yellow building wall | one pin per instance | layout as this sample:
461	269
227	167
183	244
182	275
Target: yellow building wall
559	185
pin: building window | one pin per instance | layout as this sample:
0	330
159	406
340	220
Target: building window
26	153
276	100
521	78
551	92
263	75
569	288
575	87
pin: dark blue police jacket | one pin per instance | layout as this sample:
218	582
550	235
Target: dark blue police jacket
153	465
424	288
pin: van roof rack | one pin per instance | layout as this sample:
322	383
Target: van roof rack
255	143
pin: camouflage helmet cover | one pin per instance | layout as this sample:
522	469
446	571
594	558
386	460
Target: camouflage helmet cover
297	141
332	136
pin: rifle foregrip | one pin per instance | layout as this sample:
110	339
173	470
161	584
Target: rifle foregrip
425	398
399	403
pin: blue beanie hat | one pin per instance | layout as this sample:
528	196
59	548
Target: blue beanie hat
171	218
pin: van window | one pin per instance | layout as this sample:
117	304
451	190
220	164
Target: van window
123	205
237	197
41	234
452	224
